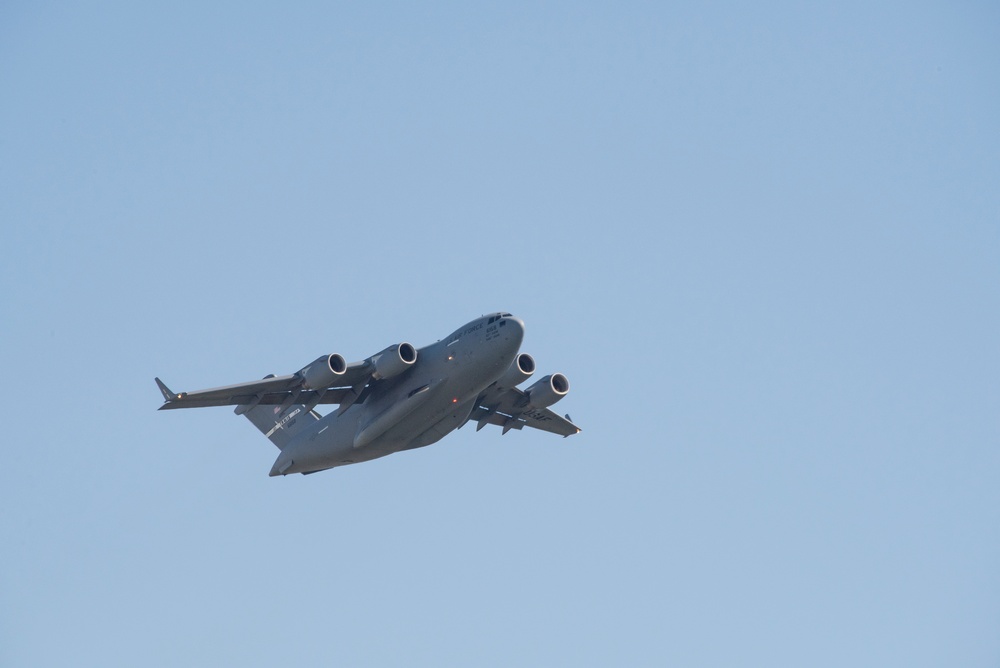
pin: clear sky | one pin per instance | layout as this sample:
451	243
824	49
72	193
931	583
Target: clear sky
762	241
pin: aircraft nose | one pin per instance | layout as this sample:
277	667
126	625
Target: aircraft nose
516	325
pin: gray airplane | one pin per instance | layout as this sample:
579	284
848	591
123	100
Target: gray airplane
398	399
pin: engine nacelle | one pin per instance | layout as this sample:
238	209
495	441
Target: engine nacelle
324	372
519	371
393	361
547	391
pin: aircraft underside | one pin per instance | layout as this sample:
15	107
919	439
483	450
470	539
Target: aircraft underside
398	399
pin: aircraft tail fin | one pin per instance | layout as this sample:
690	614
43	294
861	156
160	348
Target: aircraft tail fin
279	423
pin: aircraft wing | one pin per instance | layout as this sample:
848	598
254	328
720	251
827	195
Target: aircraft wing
507	409
274	390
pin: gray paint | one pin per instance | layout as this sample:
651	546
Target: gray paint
451	381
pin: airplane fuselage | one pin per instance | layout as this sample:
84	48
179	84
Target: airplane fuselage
414	409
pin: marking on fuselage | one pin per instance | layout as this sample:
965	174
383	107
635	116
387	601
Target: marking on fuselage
470	330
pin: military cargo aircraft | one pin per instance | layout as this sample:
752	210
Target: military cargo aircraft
398	399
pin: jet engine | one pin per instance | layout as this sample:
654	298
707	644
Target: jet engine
520	370
393	361
547	391
324	372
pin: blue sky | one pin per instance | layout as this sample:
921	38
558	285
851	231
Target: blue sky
761	241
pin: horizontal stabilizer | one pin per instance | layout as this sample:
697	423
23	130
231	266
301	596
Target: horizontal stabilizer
281	424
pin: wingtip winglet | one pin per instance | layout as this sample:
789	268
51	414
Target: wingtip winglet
167	394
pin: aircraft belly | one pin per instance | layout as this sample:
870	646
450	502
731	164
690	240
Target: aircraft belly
396	436
439	416
442	427
395	413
